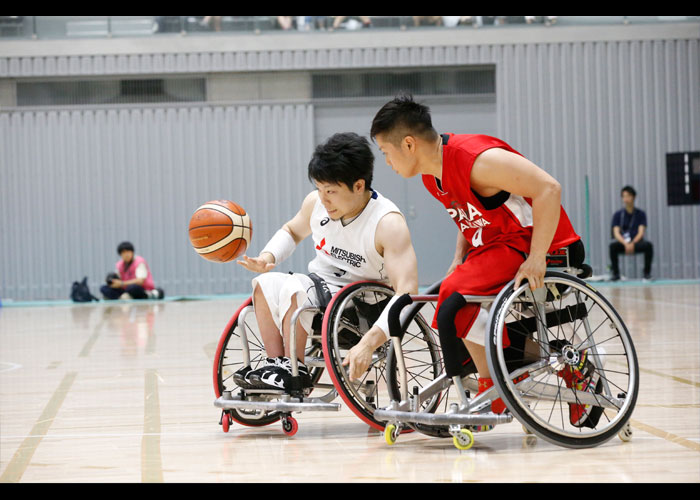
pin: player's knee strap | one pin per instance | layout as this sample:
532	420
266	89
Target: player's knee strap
448	312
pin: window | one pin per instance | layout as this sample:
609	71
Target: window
469	81
127	91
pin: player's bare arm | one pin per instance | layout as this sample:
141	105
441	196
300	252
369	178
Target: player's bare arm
298	228
393	242
497	169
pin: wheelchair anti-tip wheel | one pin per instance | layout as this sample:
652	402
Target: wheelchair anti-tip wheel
391	433
575	380
230	357
463	439
349	315
290	426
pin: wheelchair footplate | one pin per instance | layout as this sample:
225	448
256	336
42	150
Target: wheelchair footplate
257	403
461	420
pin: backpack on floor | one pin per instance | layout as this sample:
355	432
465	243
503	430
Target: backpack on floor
80	292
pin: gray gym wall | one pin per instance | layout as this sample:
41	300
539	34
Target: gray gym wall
604	104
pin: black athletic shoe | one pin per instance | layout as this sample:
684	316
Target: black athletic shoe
257	373
240	377
156	293
278	375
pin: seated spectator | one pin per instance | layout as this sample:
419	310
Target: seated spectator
284	22
427	20
132	280
452	21
155	27
307	23
338	20
321	22
547	20
207	21
628	227
168	24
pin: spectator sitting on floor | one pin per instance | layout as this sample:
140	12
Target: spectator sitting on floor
132	280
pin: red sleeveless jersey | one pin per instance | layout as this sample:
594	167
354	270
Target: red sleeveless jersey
503	218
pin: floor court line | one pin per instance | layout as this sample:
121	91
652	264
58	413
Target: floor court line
151	462
635	423
675	378
162	460
6	366
106	435
23	456
85	351
673	438
666	303
672	377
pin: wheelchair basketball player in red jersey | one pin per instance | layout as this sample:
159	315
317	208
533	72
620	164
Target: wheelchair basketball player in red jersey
509	215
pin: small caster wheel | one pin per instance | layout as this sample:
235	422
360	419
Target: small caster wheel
526	430
225	421
463	440
290	426
391	433
626	433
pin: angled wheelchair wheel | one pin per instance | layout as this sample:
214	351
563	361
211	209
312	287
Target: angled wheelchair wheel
230	357
350	314
571	375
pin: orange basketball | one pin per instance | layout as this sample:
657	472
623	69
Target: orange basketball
220	230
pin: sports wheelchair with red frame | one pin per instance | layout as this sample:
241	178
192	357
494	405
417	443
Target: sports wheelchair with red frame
337	327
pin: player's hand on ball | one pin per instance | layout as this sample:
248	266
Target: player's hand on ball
256	264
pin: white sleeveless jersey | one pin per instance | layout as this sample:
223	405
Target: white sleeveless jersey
345	254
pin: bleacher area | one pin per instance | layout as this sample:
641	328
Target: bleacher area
11	25
125	26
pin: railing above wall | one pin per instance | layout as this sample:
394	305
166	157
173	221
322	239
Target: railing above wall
52	27
283	51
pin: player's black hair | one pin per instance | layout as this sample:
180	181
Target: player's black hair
124	245
403	116
630	190
344	157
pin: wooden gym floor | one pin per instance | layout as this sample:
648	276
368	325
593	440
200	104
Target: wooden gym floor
123	393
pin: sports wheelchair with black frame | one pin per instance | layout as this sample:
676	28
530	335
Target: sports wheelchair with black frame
337	326
575	386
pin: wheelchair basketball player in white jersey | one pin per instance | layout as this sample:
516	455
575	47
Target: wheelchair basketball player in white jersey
358	235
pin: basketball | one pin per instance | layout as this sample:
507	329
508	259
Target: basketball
220	230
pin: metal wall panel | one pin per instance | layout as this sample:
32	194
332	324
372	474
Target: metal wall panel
607	113
598	112
73	184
